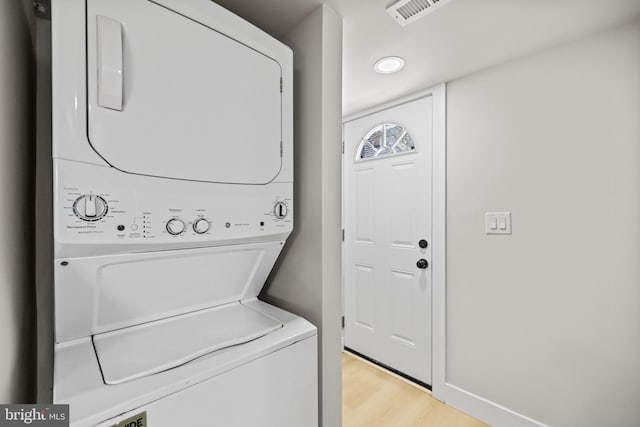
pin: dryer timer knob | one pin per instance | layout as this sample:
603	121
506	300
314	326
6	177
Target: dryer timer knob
280	210
90	207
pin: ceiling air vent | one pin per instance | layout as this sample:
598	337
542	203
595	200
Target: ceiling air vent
407	11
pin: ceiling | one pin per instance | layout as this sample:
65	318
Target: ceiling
455	39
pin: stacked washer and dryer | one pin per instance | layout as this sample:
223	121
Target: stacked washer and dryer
173	184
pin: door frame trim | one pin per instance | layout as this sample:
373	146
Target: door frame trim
439	226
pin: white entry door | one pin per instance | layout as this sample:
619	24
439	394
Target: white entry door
387	215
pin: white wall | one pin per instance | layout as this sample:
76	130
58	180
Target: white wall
16	203
546	322
307	279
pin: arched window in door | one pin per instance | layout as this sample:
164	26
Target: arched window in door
386	139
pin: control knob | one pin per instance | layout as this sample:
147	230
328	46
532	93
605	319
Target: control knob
201	225
90	207
280	210
175	226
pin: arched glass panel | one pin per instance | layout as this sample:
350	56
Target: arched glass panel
386	139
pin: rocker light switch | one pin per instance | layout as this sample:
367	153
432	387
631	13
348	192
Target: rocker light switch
493	223
497	223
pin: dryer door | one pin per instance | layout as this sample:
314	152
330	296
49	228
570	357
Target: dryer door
171	97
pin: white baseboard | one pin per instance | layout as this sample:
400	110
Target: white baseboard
485	410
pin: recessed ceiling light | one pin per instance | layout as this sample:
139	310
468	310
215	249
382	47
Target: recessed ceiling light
389	64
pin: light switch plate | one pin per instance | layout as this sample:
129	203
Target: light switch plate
497	222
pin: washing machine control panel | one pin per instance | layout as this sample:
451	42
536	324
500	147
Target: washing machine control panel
101	205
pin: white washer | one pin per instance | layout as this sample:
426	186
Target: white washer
173	197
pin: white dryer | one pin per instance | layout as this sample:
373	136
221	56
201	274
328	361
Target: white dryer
173	184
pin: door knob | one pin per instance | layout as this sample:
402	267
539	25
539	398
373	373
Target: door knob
423	243
422	263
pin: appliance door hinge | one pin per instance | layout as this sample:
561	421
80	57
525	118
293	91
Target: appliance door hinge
343	234
281	85
342	322
342	147
281	149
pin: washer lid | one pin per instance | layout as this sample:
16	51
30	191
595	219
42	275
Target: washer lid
171	97
138	351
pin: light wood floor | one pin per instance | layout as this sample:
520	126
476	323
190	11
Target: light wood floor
373	397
